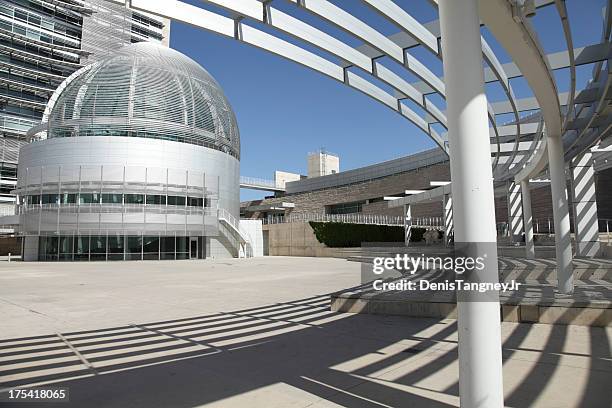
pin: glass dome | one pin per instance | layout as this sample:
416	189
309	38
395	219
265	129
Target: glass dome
146	90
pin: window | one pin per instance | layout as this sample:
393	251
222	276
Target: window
156	199
133	249
182	251
112	198
50	199
195	201
167	246
176	200
98	248
68	198
150	247
115	247
21	15
345	208
81	248
48	248
89	198
65	248
134	198
33	199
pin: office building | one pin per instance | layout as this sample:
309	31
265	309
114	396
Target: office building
41	44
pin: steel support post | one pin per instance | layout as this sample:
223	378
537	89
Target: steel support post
480	362
586	223
563	242
448	218
515	212
527	220
407	224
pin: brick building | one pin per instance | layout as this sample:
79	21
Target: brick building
363	190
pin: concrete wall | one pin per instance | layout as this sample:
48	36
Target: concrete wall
296	239
30	248
253	228
283	177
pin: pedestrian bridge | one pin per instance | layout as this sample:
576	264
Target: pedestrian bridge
253	183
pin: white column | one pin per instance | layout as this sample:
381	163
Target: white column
407	224
515	212
527	220
586	225
563	243
448	218
480	363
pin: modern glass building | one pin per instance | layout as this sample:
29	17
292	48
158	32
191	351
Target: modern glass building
41	43
140	157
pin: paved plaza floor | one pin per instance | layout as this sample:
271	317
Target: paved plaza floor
259	333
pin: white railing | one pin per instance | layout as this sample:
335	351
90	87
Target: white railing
546	226
230	220
358	218
259	182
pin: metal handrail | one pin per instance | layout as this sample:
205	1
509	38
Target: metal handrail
254	181
226	216
547	226
356	218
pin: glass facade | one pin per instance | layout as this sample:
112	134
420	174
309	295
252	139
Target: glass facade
31	68
146	91
114	198
113	247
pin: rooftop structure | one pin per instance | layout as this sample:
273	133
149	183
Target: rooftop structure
322	163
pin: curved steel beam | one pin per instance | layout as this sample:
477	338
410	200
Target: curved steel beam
517	39
562	11
234	28
422	35
352	25
265	13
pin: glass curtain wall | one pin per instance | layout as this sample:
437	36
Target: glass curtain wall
115	247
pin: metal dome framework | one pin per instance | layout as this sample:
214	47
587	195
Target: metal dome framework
144	90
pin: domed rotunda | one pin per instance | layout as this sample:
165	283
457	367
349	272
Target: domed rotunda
137	158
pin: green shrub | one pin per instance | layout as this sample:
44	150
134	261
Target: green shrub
416	234
338	234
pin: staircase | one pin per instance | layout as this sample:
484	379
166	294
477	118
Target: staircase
246	247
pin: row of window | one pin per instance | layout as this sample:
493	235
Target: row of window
39	21
101	131
38	50
147	21
114	198
50	11
345	208
35	34
118	247
35	64
26	78
147	34
21	94
21	111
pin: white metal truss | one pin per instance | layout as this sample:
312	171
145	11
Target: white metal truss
521	161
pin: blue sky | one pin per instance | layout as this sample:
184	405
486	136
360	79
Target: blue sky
285	110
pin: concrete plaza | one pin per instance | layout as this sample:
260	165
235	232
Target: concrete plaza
259	333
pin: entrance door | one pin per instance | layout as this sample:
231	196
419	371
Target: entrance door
193	248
